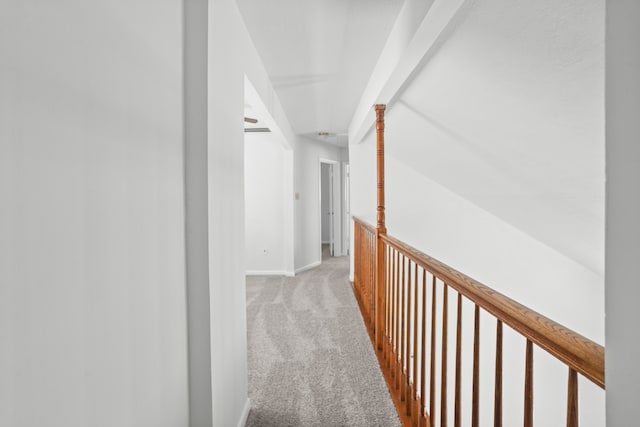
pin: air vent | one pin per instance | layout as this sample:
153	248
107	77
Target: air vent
257	130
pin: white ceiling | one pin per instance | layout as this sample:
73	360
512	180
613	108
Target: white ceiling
505	108
319	55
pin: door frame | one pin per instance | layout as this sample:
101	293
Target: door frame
346	208
335	170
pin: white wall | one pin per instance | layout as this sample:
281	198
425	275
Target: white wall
92	274
226	214
623	211
307	155
266	194
196	69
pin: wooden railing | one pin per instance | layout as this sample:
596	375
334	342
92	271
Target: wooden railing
412	314
404	298
364	273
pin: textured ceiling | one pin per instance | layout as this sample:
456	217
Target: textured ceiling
319	56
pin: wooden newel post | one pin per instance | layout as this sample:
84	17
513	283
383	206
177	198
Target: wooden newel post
381	229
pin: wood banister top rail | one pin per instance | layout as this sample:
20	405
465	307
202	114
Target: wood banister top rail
573	349
365	224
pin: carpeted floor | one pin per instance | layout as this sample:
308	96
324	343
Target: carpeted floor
310	359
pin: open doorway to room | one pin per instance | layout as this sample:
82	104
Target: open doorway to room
330	211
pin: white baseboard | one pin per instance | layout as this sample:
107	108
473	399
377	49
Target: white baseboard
269	273
245	414
308	267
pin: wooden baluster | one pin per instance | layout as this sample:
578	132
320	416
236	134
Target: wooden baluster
432	369
387	321
443	376
457	409
475	408
363	278
572	399
367	280
374	291
363	300
392	340
356	266
407	342
497	408
368	283
372	286
363	274
403	355
414	392
396	362
528	386
423	353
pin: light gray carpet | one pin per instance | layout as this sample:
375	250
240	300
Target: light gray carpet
311	362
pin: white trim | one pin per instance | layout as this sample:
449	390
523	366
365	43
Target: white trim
308	267
346	201
269	273
245	413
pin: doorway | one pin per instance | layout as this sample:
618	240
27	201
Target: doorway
346	221
330	212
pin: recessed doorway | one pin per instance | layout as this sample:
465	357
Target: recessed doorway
330	211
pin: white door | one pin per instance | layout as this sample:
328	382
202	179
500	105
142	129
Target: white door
330	207
347	213
331	213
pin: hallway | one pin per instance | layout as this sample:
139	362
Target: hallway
310	359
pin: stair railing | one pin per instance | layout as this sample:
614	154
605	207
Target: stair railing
397	288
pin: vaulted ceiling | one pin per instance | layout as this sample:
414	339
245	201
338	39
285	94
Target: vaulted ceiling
319	56
500	101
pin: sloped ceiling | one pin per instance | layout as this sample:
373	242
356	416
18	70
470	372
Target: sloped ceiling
509	113
319	55
504	106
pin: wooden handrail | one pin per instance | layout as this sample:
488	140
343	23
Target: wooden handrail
576	351
364	224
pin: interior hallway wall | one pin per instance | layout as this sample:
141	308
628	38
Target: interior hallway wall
623	211
227	214
92	257
265	194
